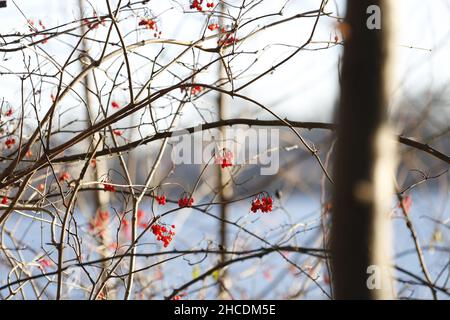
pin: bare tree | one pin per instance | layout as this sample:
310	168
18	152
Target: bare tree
103	192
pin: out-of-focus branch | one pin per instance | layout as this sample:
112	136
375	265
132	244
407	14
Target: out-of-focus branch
250	122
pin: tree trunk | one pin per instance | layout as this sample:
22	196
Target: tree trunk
101	198
365	162
223	176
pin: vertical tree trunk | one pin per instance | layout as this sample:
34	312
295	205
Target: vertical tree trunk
223	176
101	198
365	162
222	179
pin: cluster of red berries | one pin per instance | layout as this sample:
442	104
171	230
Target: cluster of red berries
109	187
32	28
227	40
193	90
9	112
197	4
45	263
163	233
213	26
226	163
99	222
5	200
102	217
161	200
263	202
148	23
94	24
141	218
196	90
125	224
185	201
225	159
10	142
65	176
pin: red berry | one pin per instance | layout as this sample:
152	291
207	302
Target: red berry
197	4
109	187
10	142
115	105
117	132
196	89
140	217
103	216
224	158
161	200
213	26
263	203
148	23
162	234
99	222
185	202
64	176
227	40
45	263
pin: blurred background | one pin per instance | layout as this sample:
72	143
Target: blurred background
304	88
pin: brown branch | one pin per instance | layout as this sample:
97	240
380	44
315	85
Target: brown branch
250	122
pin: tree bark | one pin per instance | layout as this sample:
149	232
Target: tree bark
102	198
365	161
223	176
